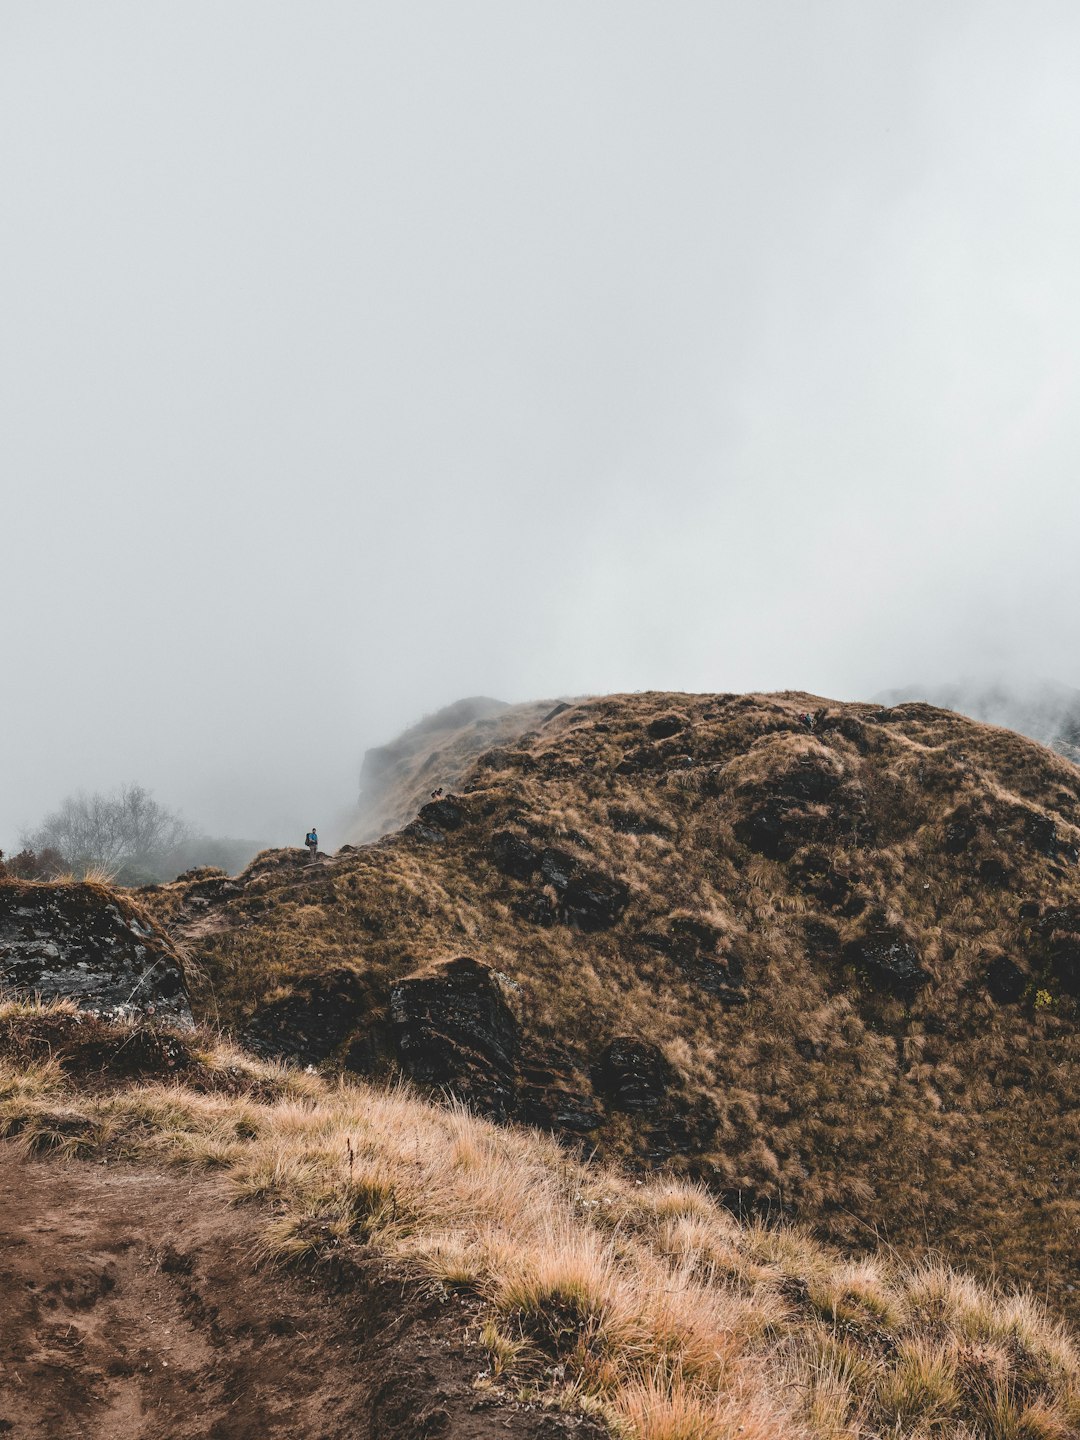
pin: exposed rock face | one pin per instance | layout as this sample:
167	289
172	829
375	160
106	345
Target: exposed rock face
1058	946
632	1073
452	1026
312	1022
439	818
805	802
513	855
817	872
1005	980
555	1092
81	943
698	950
889	961
664	726
587	899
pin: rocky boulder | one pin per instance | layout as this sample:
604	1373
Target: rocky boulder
791	792
701	953
586	898
82	942
312	1022
632	1074
513	855
1004	980
664	726
555	1092
890	962
452	1026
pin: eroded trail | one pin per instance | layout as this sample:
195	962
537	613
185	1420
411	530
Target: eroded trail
130	1306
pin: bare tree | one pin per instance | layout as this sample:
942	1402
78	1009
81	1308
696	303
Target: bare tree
127	833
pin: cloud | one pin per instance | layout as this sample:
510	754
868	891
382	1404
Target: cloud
359	358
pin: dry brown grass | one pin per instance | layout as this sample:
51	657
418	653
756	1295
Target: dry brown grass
948	1120
645	1303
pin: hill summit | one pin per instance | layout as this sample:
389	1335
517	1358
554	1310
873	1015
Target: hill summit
823	957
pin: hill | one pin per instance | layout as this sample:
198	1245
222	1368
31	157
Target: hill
1043	710
396	779
824	958
436	1274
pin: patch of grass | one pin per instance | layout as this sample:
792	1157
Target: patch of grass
918	1389
646	1304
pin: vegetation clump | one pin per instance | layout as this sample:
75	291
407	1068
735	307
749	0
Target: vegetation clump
643	1303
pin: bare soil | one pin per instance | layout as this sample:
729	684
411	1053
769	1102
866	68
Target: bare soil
131	1305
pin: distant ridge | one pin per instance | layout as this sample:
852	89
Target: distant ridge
1043	710
395	779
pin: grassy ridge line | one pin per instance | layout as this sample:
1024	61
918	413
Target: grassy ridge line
947	1118
646	1304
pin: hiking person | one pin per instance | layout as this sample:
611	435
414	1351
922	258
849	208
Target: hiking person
312	843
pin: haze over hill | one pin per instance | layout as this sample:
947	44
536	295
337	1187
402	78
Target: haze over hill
358	358
1045	710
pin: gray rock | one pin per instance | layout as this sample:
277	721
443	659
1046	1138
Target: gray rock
85	944
453	1027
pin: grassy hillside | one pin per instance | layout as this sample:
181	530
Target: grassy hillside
396	779
829	968
643	1306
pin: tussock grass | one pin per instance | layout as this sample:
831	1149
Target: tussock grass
648	1304
825	1097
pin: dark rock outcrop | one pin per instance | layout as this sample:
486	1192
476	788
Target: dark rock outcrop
889	961
1005	981
555	1092
635	822
513	855
632	1074
991	827
438	818
701	953
993	872
664	726
1057	950
452	1026
808	801
587	898
82	943
310	1024
960	830
830	881
555	711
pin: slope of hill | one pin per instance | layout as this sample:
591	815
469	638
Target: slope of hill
824	957
396	779
1043	710
440	1275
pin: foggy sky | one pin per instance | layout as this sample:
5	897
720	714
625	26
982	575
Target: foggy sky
355	357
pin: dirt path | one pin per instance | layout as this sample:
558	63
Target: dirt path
130	1306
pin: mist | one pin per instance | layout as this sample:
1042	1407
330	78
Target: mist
357	357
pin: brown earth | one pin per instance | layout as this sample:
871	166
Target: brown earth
131	1306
